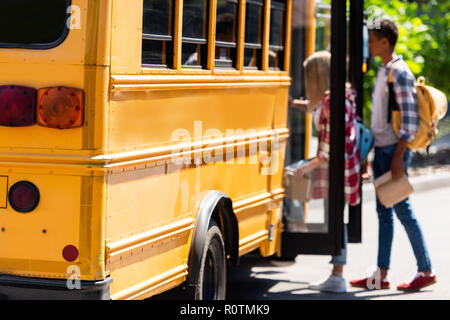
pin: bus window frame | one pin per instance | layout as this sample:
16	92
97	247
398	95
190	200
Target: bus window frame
169	50
198	41
46	46
233	46
280	49
256	46
239	69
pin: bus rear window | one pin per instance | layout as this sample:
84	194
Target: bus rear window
34	24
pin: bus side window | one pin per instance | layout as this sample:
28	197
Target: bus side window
226	30
194	48
277	34
254	18
157	37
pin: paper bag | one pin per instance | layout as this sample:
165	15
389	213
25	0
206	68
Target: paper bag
301	191
390	192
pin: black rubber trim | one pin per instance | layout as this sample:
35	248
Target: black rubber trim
23	288
213	200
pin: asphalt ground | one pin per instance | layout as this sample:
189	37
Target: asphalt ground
257	278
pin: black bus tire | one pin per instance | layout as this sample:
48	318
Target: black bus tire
212	274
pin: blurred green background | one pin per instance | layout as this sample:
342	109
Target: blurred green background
423	42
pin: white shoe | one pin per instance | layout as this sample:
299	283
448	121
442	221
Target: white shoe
332	284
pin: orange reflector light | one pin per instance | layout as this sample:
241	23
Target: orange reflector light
60	107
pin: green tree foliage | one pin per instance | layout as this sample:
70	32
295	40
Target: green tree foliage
423	41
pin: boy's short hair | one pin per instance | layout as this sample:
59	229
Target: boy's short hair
385	29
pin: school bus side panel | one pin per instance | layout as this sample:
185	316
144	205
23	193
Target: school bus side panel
160	118
161	200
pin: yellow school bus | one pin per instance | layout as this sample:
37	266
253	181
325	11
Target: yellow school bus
142	143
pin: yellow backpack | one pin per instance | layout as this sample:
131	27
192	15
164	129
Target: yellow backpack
432	107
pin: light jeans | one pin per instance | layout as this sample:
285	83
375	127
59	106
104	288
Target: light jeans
342	258
403	210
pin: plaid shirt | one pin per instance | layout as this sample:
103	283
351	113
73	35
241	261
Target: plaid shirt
406	97
352	190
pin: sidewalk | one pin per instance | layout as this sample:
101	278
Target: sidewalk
257	278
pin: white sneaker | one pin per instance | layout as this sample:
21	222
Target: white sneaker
332	284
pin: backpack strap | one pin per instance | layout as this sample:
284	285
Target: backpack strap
392	104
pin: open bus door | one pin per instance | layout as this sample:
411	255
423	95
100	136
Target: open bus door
322	230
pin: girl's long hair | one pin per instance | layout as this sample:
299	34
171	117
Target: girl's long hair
317	76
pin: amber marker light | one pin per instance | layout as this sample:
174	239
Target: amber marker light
60	107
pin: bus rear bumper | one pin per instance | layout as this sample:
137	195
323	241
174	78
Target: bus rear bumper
22	288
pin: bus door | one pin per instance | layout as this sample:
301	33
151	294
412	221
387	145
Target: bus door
317	226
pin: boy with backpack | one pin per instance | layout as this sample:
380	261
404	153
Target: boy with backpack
392	153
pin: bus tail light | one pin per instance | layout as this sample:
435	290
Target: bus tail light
70	253
60	107
17	106
23	196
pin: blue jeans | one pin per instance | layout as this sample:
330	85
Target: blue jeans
404	212
342	258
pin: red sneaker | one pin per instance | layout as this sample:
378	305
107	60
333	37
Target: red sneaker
419	282
370	283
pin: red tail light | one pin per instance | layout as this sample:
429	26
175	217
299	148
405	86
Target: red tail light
60	107
17	106
23	196
70	253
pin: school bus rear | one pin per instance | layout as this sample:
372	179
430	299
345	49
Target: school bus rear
53	83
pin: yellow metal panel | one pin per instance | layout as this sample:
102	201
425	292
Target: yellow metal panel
3	192
178	192
310	44
266	36
97	31
178	33
241	36
126	36
68	213
287	44
157	117
212	35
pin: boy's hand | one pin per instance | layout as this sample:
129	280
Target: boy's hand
397	165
